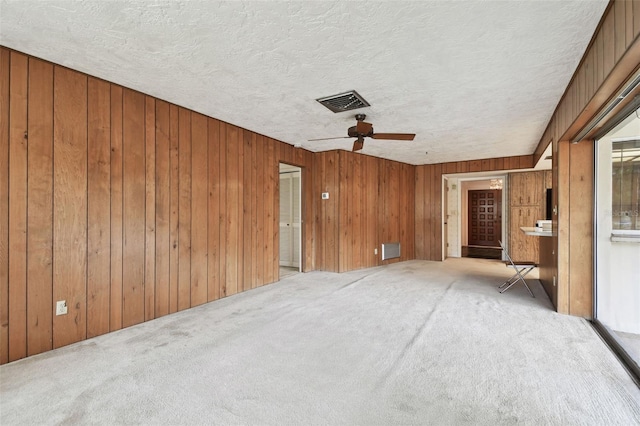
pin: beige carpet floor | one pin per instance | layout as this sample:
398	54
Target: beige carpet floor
411	343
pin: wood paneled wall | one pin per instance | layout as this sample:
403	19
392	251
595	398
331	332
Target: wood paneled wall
612	56
428	197
489	164
370	203
610	62
575	229
127	207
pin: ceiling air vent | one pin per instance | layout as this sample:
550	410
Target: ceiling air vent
344	101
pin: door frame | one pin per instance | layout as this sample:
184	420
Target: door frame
465	177
293	168
445	217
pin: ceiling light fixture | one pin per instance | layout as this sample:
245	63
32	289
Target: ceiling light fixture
495	184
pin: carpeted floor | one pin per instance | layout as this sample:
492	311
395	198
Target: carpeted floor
412	343
286	271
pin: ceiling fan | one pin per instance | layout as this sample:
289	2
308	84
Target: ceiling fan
365	130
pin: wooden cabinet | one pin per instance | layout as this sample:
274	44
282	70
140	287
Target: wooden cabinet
526	206
523	247
526	189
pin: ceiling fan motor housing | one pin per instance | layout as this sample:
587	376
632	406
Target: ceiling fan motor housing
353	132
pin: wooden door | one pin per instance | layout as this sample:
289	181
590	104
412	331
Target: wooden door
485	217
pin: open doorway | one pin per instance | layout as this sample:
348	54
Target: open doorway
290	229
481	216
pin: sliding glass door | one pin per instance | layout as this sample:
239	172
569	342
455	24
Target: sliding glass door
618	236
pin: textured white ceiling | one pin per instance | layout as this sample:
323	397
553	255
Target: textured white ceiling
473	79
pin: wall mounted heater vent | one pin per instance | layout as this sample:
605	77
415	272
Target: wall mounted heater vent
344	101
390	250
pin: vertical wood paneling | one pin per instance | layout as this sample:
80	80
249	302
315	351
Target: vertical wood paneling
223	208
361	215
608	63
620	30
598	48
636	19
260	202
332	222
18	207
420	197
475	166
137	192
39	207
369	198
115	320
344	219
272	196
410	222
450	167
134	192
150	209
436	239
589	81
391	192
498	163
240	217
247	212
319	211
310	207
256	213
70	204
628	14
5	66
580	84
432	219
213	228
184	209
162	209
199	209
581	202
232	211
327	169
174	198
609	56
564	220
98	205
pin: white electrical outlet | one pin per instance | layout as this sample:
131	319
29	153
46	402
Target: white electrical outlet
61	307
375	251
325	195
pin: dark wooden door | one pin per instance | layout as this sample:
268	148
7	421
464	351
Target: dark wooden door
485	217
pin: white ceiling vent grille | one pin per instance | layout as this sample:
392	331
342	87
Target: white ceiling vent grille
346	101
